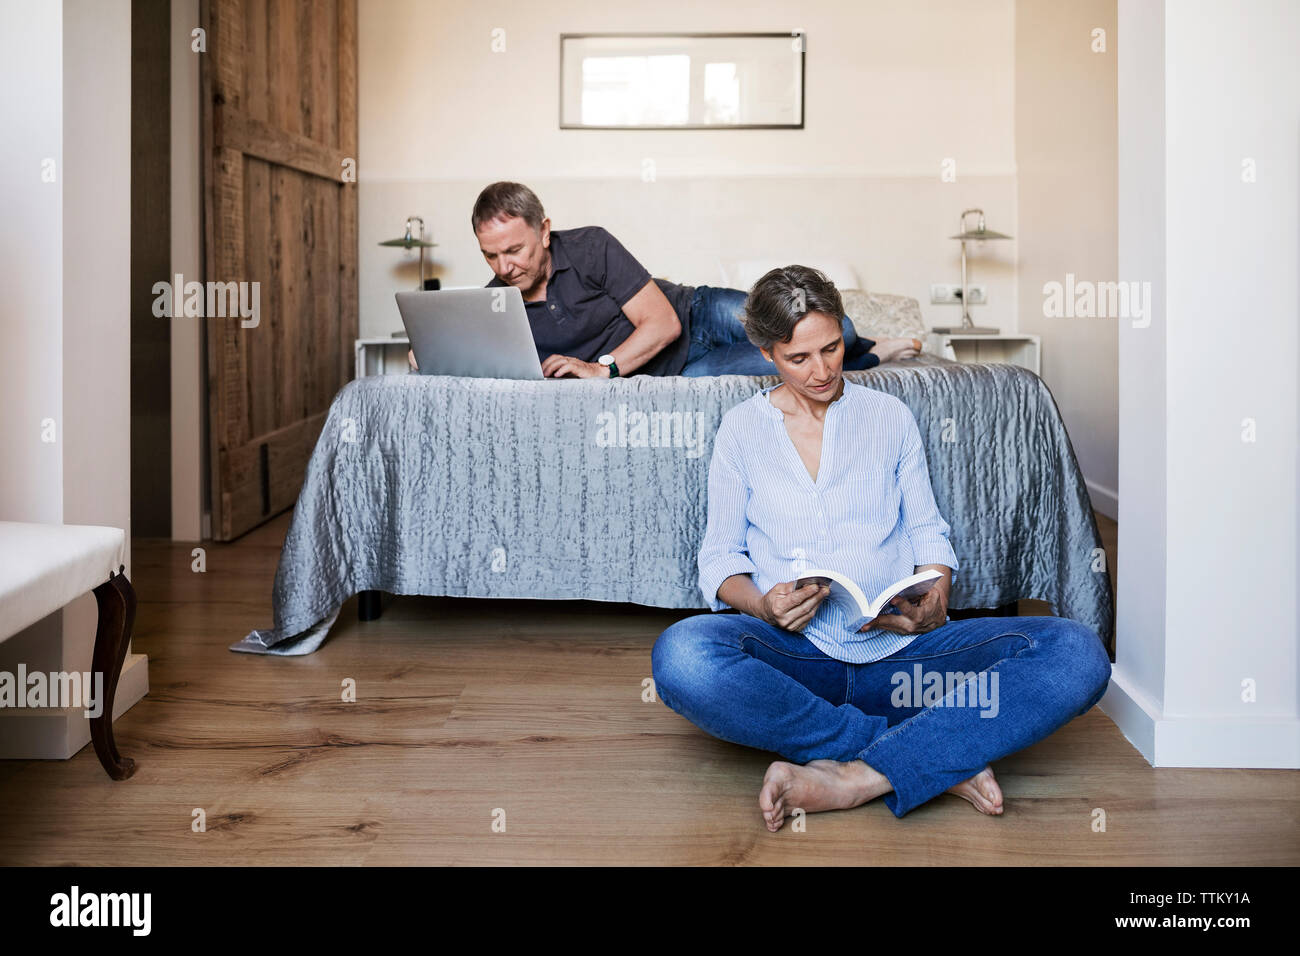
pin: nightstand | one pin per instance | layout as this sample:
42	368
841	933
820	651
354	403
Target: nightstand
1006	348
382	355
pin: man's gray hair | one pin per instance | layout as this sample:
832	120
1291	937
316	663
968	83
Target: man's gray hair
780	299
507	199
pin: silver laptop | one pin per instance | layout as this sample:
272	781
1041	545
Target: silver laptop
476	333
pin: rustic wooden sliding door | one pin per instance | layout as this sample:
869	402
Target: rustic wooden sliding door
280	145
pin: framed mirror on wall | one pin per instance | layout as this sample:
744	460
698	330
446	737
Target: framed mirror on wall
681	80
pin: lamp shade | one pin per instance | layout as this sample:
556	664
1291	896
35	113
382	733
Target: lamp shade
408	242
414	239
972	235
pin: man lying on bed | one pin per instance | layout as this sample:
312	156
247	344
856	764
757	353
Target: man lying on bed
589	299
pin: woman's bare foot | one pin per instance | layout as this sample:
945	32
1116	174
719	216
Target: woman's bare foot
816	786
982	791
891	349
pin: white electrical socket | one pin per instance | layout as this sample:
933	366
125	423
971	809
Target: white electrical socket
941	293
944	293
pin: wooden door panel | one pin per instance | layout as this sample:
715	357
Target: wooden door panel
259	239
279	90
321	269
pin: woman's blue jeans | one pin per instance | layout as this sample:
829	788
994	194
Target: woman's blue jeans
1002	684
719	345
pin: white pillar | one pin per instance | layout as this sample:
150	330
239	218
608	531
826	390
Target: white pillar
1209	214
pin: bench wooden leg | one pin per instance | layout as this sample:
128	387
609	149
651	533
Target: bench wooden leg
370	605
116	600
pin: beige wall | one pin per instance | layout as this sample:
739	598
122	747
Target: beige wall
1066	199
1009	90
97	263
892	89
187	383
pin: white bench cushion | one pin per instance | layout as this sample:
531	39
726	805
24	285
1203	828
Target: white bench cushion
45	566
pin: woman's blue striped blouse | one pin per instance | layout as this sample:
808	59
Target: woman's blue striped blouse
870	514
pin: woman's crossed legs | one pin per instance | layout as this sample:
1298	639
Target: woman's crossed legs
925	720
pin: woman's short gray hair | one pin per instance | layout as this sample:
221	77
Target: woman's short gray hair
781	299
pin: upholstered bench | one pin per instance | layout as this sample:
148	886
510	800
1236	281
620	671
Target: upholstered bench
44	567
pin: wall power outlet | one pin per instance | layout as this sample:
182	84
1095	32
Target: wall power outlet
947	293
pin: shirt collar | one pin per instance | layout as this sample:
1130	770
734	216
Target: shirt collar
851	391
559	258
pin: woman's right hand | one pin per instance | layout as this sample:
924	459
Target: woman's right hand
792	608
410	357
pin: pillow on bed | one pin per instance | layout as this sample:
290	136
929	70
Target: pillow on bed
743	273
879	316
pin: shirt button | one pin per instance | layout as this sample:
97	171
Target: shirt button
552	308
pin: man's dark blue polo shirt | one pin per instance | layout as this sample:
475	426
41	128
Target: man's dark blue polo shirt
592	278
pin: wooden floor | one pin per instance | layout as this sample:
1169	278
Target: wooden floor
466	707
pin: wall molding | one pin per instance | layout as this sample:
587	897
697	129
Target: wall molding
1105	500
664	170
1266	742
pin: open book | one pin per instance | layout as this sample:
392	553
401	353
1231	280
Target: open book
857	609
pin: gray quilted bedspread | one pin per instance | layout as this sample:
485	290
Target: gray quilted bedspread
596	490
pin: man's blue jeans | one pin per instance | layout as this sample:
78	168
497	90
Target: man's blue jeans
719	345
1003	684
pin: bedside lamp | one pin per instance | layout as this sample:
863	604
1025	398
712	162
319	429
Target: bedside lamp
971	235
410	241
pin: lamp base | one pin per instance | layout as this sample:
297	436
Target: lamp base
968	330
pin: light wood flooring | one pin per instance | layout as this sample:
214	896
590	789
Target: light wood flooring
466	707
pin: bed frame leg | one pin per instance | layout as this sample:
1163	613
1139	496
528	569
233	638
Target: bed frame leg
1011	609
370	605
116	601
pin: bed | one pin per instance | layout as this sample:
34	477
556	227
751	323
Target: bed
595	490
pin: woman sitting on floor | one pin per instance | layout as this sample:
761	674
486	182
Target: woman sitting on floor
820	472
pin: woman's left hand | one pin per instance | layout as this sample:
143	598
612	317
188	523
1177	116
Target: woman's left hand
930	612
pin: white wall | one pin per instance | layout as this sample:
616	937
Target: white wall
66	80
1143	511
1210	518
31	310
1067	221
31	257
1241	278
892	89
66	255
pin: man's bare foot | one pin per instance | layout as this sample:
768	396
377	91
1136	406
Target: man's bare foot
982	791
816	786
891	349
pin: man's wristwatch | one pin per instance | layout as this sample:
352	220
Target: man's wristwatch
608	362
